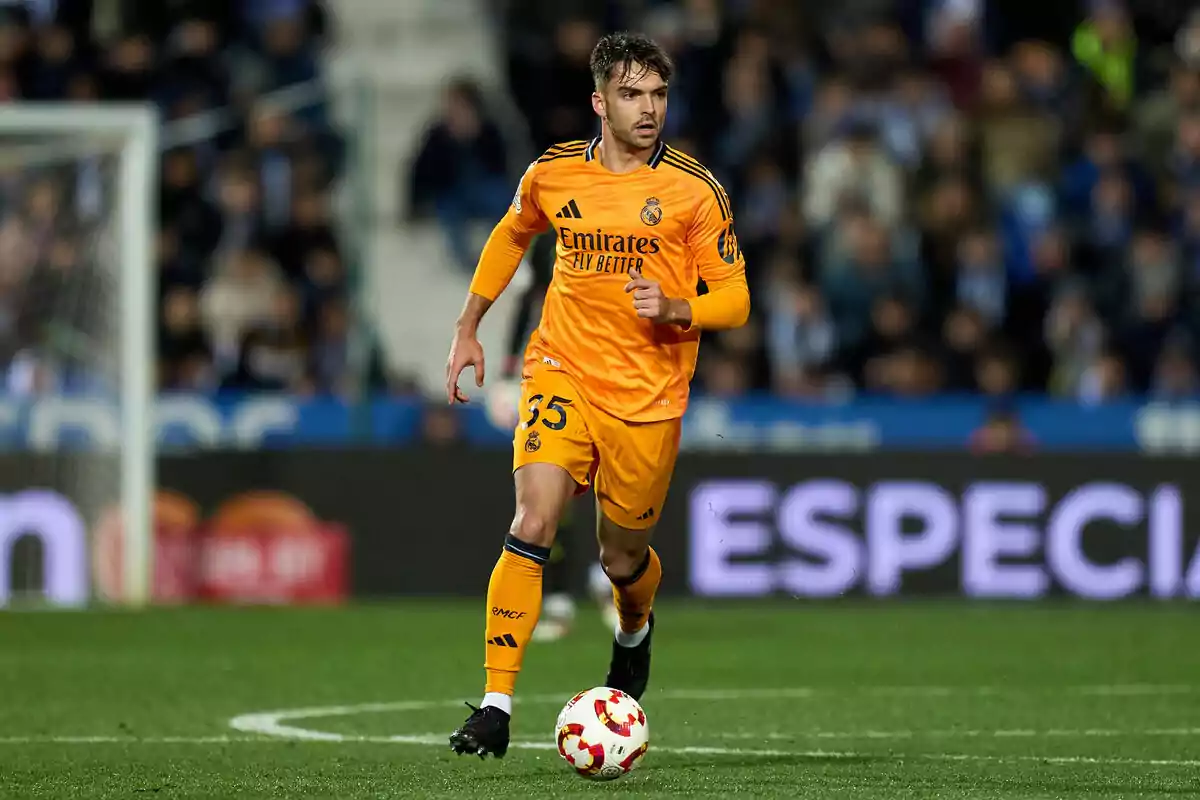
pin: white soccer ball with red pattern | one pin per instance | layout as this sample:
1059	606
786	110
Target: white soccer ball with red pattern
602	733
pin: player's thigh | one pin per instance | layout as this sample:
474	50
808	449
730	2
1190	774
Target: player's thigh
634	473
553	454
543	493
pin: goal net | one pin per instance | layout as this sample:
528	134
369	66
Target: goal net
77	349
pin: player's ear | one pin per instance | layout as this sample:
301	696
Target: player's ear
598	104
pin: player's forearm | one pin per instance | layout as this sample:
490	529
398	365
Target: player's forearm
725	306
472	313
499	260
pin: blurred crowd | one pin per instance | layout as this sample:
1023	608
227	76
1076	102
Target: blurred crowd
932	195
252	274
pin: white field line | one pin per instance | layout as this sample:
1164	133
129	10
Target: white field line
134	739
1086	690
730	735
1002	733
274	723
271	726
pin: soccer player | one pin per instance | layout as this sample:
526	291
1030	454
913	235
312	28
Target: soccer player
606	375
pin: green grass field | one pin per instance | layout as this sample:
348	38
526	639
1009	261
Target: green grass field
773	701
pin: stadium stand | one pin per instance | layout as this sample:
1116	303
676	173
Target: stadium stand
253	275
933	196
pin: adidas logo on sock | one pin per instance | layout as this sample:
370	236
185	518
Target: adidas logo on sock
569	211
506	640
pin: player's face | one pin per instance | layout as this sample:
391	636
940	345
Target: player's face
634	106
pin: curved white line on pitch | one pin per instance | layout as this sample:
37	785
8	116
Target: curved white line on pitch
273	724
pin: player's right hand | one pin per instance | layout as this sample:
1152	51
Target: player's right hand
464	351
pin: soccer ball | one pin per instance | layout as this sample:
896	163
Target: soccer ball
602	733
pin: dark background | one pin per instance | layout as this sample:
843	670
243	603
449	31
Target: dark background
430	522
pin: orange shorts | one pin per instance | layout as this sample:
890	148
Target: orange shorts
629	463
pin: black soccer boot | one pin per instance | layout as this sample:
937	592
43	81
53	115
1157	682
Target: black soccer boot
485	731
629	670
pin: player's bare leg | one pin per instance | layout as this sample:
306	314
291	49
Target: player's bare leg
635	572
513	603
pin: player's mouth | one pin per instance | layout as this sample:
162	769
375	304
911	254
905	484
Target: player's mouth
646	127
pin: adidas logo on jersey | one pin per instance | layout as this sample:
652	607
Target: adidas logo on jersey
569	211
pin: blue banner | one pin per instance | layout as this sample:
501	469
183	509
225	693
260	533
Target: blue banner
277	421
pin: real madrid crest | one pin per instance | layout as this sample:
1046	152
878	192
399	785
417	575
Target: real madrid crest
533	443
652	211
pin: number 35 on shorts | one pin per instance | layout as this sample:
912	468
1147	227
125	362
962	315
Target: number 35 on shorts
550	420
555	416
553	428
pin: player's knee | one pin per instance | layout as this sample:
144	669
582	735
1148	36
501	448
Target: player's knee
622	561
534	527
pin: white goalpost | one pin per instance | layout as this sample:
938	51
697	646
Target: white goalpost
98	165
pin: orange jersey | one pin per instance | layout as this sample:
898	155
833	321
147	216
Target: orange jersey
672	221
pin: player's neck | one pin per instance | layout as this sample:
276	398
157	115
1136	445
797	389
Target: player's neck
617	157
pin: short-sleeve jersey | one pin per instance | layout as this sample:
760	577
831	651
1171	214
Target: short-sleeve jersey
670	219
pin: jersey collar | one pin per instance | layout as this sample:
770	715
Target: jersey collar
655	159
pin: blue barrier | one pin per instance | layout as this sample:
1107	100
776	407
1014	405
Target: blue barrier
278	421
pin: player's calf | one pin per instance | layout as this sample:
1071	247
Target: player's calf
621	561
633	595
634	570
514	602
514	597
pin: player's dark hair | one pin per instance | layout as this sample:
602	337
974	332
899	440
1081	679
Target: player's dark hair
618	56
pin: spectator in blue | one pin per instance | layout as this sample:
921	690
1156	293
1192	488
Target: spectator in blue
1189	240
1103	153
868	269
1175	374
1107	231
460	170
1185	159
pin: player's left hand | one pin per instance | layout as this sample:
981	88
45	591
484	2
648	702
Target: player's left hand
649	300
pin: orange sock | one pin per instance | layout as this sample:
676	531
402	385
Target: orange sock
634	596
514	600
